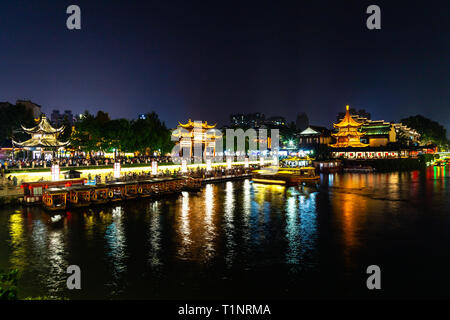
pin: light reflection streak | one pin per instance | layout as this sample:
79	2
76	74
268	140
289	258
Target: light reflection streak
116	244
155	234
301	227
185	230
56	261
209	235
18	243
229	226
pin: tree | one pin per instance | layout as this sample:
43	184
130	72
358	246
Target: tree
100	133
430	131
11	118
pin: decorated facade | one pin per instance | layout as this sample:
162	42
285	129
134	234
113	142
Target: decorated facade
196	133
44	138
349	132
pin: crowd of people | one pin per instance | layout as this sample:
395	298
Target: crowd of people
80	161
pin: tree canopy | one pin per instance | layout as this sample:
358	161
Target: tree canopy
100	133
11	117
430	131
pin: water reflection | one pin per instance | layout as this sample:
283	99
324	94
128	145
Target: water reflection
155	233
301	228
18	257
229	223
116	250
230	230
209	229
184	227
56	277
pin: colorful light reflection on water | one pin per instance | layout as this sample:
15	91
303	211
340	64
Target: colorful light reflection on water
242	239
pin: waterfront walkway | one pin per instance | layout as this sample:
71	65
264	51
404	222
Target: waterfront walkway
8	191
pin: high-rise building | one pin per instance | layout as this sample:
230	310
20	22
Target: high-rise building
57	118
252	120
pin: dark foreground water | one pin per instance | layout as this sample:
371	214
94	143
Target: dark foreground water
245	240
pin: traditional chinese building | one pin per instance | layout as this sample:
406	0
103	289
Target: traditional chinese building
349	132
361	138
44	139
313	136
196	133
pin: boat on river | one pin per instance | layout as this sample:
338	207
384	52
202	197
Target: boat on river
286	176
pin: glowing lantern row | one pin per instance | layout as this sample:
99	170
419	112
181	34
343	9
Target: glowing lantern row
228	163
117	170
208	165
183	166
55	172
154	167
246	165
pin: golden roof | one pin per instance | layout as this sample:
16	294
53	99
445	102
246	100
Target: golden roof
42	135
198	124
42	141
43	127
348	133
347	121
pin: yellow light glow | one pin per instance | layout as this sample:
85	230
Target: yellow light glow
270	181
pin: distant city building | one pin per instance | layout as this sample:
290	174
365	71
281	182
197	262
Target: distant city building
57	118
35	108
275	121
250	120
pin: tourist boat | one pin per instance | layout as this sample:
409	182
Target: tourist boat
54	199
116	191
33	191
130	190
286	176
99	194
167	186
145	188
439	163
193	185
79	196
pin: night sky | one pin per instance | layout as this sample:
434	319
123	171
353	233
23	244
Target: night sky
205	60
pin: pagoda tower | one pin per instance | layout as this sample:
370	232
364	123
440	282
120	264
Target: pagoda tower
349	134
43	136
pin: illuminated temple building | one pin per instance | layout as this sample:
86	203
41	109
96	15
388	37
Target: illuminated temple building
349	133
361	138
43	136
197	133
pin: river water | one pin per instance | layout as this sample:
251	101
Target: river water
244	240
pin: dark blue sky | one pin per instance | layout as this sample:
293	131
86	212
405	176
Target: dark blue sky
205	60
